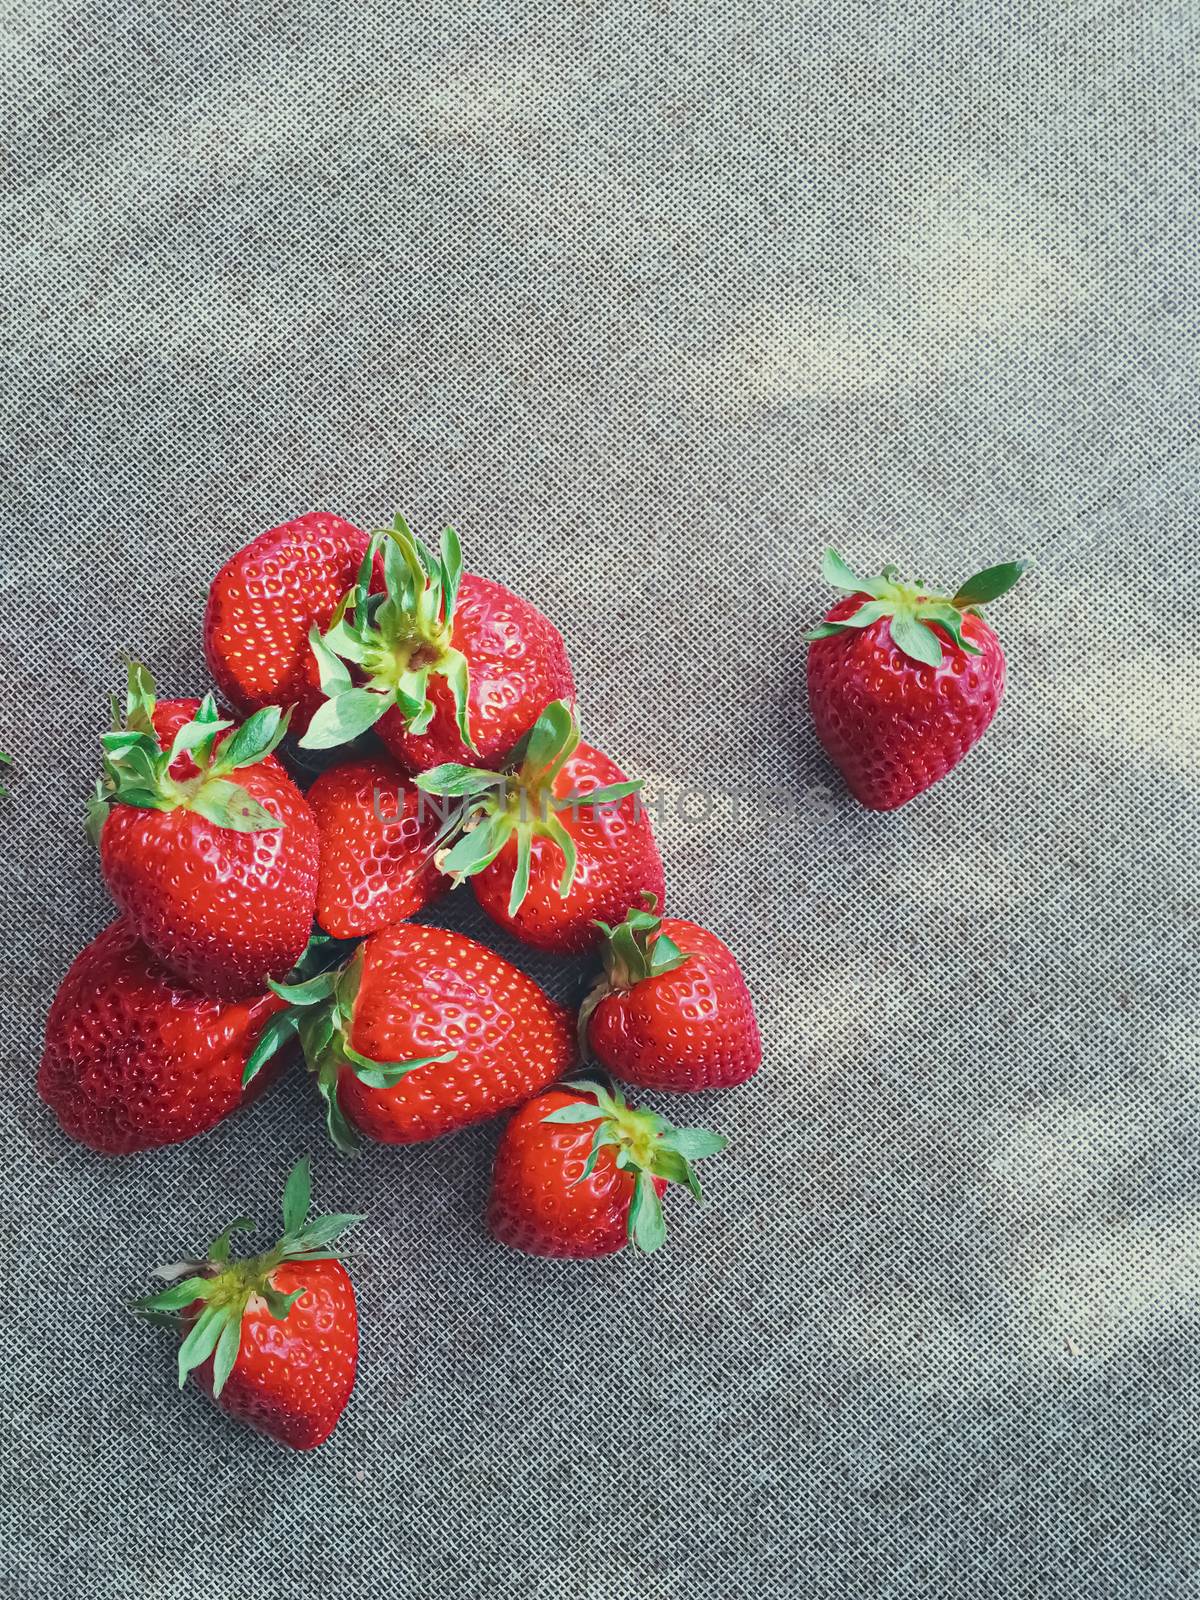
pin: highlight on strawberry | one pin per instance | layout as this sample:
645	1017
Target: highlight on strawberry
671	1009
902	683
134	1060
273	1338
443	664
555	842
420	1033
580	1173
206	845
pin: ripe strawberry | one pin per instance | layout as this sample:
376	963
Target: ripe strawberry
672	1010
272	1338
423	1032
263	604
555	841
133	1060
580	1173
218	877
902	684
445	665
378	834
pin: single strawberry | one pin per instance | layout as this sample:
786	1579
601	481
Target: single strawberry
272	1338
206	844
554	842
263	604
421	1033
378	834
672	1010
134	1060
901	684
445	666
580	1173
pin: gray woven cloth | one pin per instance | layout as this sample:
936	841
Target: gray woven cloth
651	301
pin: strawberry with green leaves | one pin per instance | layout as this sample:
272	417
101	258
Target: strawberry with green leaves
135	1060
272	1338
672	1010
555	842
443	665
206	845
580	1173
901	684
378	836
265	601
422	1032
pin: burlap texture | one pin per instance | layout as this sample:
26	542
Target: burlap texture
651	301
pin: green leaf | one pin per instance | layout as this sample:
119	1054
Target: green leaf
253	741
387	1074
453	779
580	1111
825	630
334	674
520	882
666	956
274	1034
456	670
228	1346
694	1143
297	1196
218	1250
192	735
647	1227
279	1304
336	1121
452	567
344	717
323	1231
553	732
835	572
915	640
308	993
608	795
177	1298
990	584
228	805
477	849
201	1340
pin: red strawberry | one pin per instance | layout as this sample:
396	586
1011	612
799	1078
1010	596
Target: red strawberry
672	1010
265	601
378	834
273	1338
423	1032
205	843
556	841
448	666
134	1060
902	684
580	1173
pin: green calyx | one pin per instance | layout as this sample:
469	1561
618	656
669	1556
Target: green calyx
632	951
320	1016
137	771
381	650
913	613
518	802
226	1288
646	1145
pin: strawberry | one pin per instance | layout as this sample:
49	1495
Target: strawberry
133	1060
272	1338
263	604
421	1033
580	1173
378	834
901	684
205	843
446	666
672	1010
555	841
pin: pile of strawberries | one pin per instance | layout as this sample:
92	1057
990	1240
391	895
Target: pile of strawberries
259	923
